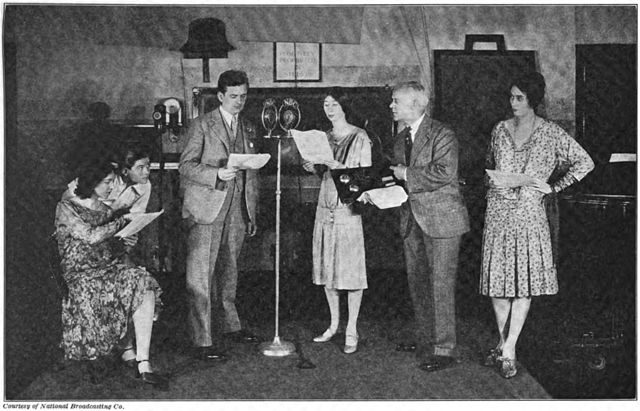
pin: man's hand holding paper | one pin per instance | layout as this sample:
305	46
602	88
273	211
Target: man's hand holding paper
313	146
386	197
226	174
247	161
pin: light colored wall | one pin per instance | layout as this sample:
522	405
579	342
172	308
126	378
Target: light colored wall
604	24
56	80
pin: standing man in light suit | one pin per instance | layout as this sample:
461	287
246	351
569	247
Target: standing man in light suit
432	222
220	209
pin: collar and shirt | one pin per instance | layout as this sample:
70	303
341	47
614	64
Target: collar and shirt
413	129
231	121
136	196
233	210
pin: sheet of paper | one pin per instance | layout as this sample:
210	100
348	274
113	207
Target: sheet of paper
387	197
248	161
509	180
622	157
137	223
313	145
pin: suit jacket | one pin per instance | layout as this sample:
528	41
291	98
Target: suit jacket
432	181
207	150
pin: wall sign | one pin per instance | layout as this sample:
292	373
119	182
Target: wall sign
297	62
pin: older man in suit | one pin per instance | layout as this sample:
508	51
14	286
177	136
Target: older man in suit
220	209
432	222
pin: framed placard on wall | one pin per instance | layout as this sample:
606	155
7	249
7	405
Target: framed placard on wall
297	62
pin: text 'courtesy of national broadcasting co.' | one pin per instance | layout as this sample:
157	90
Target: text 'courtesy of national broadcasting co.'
62	406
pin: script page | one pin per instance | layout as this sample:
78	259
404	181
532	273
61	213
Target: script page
387	197
509	180
313	145
137	223
248	161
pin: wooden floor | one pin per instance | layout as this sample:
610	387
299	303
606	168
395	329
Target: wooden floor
376	371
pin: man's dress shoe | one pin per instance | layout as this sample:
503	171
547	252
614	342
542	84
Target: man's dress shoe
406	347
242	336
437	363
209	354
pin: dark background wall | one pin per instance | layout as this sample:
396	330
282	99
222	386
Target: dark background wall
60	59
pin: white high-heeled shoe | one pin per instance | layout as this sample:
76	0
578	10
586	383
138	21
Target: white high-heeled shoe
326	336
350	343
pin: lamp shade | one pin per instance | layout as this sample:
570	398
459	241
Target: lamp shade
207	39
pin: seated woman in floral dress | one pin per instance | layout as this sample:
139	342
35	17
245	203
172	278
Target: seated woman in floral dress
106	297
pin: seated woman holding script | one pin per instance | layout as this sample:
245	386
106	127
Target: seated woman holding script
131	185
131	188
106	297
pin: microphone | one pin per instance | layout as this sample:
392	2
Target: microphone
269	116
289	115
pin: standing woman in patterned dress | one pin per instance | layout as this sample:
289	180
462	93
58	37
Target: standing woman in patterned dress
338	238
517	260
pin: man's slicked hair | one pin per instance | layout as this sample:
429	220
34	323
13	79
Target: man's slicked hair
232	78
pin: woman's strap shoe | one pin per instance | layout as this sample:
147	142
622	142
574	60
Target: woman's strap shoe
326	336
350	344
508	367
151	378
491	357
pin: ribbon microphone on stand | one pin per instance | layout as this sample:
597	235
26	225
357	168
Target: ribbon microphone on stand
288	117
269	116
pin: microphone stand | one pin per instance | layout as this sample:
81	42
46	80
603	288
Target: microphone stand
162	269
277	347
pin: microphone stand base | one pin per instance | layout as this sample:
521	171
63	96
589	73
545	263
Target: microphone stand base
277	348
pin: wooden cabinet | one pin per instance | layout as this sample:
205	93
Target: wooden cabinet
606	114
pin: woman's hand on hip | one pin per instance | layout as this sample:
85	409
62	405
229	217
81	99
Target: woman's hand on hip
541	186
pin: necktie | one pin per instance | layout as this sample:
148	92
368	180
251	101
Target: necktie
234	125
408	144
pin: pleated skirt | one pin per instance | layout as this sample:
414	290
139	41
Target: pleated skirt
517	259
338	249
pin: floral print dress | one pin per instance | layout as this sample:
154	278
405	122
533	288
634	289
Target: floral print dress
517	258
103	292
